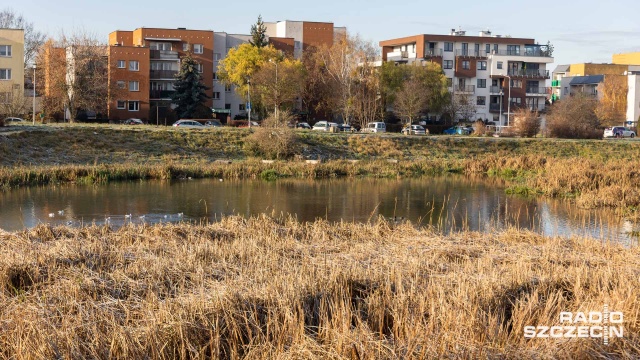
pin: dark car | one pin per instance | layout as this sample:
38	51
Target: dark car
344	127
133	121
303	125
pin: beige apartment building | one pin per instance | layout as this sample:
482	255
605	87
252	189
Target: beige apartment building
11	65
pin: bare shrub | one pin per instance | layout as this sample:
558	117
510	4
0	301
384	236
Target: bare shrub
526	123
574	117
274	140
479	128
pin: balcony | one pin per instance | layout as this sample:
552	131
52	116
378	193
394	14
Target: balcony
160	94
471	53
162	74
538	91
163	55
467	89
400	55
494	108
529	73
526	52
433	53
495	90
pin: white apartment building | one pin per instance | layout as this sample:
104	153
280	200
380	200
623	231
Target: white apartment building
225	100
495	71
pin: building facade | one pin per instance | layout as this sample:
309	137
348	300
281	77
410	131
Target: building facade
143	64
498	73
226	103
11	66
302	35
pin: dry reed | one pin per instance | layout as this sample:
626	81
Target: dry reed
265	288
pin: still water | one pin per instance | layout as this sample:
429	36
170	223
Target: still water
449	204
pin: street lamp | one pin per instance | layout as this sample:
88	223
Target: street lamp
509	104
249	101
34	94
276	89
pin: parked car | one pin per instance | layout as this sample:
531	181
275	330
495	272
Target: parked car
303	125
619	132
345	127
133	121
14	120
188	124
246	124
213	123
458	130
414	130
323	125
375	127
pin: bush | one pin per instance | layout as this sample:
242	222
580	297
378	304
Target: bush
526	123
574	117
274	140
479	128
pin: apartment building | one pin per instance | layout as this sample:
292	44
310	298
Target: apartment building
143	64
301	35
572	78
11	65
226	103
493	70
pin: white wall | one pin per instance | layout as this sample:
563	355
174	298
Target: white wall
223	42
633	98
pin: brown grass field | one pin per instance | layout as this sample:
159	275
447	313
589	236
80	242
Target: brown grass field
275	288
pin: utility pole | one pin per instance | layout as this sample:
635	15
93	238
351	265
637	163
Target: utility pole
34	94
249	101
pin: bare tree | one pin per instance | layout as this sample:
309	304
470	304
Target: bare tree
279	82
612	107
78	77
33	39
461	107
526	122
12	101
411	100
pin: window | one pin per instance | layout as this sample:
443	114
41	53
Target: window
465	49
227	88
481	100
499	64
513	49
5	50
448	46
121	104
216	56
227	106
482	83
198	48
121	84
5	74
134	105
241	107
516	101
215	76
482	65
447	64
495	48
121	64
216	95
488	49
134	86
134	65
185	47
449	82
297	45
199	67
465	64
516	83
164	46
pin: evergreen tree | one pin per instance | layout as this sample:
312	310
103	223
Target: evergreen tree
189	92
259	34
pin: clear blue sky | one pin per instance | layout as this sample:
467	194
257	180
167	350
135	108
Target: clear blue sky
581	31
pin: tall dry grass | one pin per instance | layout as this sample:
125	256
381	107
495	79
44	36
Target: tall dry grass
265	288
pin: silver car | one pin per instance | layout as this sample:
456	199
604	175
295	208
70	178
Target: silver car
188	124
414	130
619	132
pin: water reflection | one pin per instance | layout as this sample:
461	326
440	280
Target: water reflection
449	203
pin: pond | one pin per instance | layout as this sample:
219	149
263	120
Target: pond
446	203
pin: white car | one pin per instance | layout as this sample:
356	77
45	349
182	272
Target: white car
375	127
323	125
414	130
188	124
14	120
619	132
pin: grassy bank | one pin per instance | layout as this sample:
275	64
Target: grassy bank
595	173
266	288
